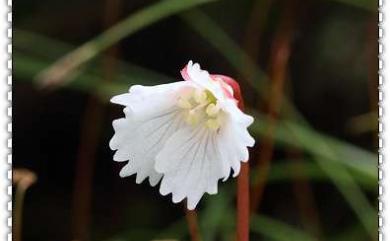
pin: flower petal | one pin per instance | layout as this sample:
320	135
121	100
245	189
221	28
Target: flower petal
191	165
193	73
182	161
236	114
194	159
150	120
233	149
144	101
139	142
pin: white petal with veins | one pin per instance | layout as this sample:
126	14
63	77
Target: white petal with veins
188	134
141	134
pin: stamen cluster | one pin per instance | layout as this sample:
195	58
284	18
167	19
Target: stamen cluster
200	107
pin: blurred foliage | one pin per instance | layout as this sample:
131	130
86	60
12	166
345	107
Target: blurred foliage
327	159
62	69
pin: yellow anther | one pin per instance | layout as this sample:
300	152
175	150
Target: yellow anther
212	109
213	124
200	107
200	96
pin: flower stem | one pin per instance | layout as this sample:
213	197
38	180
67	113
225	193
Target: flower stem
192	221
243	203
243	179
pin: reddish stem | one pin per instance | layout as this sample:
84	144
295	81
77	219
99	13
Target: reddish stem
243	203
243	178
242	182
280	53
192	222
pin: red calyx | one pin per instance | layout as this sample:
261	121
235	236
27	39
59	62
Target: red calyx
234	85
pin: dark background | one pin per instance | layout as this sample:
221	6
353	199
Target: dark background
330	75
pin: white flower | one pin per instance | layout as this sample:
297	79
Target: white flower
189	133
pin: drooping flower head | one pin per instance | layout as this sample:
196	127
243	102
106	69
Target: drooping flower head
188	134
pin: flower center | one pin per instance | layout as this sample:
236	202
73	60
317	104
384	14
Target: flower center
200	107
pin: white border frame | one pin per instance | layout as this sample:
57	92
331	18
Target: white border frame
6	126
384	133
5	120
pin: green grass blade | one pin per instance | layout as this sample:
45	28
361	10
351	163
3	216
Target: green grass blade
232	52
34	45
31	56
349	189
65	67
286	170
353	157
349	155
